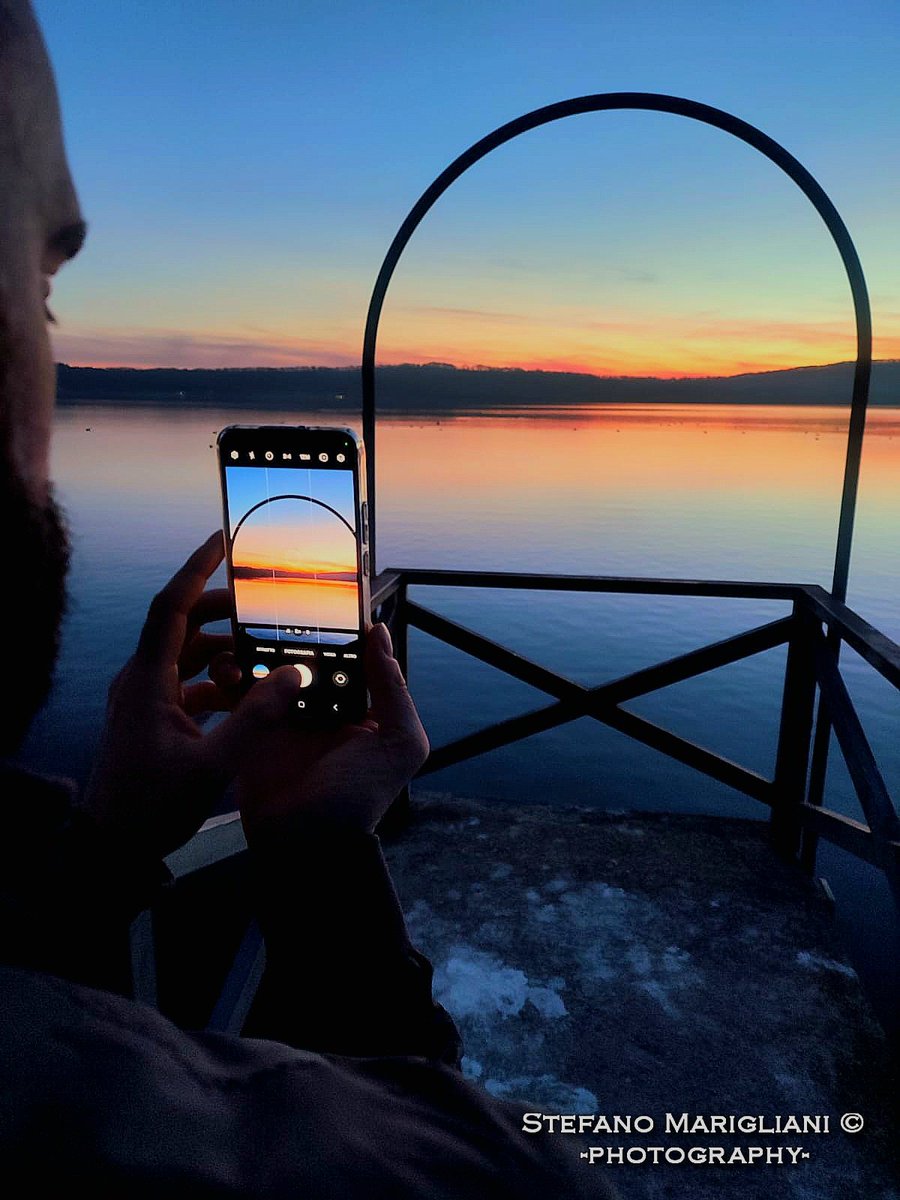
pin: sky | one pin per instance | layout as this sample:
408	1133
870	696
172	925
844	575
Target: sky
244	166
272	535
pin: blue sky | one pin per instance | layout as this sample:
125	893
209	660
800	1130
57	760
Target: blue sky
249	485
245	166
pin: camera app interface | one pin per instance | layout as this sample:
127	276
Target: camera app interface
294	563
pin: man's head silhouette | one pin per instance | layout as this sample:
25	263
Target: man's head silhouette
41	226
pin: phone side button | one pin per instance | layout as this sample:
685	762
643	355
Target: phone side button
365	562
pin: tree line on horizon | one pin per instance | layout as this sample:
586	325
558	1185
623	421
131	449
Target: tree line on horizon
443	387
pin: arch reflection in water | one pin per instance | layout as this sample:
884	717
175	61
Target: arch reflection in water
294	555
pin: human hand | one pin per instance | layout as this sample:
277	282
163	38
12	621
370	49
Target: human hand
158	775
350	775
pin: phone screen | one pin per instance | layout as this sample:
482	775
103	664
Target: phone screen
297	567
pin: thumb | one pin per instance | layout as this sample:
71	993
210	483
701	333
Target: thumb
392	705
266	703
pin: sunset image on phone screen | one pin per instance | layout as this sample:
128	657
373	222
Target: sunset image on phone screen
294	558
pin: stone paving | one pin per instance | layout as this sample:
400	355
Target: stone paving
647	964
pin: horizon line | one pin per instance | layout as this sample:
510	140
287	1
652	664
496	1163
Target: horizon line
473	367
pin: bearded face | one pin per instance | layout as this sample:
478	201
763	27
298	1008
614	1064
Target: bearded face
32	598
36	556
41	227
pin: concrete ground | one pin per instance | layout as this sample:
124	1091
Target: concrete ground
648	964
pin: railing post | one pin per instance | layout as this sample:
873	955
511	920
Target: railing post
241	984
142	947
818	773
817	778
794	735
397	816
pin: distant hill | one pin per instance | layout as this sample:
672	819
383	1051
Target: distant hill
240	572
439	387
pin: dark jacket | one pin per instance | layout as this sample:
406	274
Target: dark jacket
343	1085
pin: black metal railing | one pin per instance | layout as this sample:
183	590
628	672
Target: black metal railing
813	632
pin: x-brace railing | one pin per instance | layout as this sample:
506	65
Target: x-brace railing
812	671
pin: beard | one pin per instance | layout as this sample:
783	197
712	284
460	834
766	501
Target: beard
32	600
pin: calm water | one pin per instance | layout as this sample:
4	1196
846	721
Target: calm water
703	492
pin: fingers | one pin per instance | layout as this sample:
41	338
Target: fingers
200	651
213	605
392	706
201	648
267	702
165	629
205	697
224	671
226	675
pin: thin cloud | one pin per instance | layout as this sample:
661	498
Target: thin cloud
163	348
709	327
472	314
630	274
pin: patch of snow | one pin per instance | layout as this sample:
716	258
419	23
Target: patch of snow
547	1002
471	983
584	904
817	962
597	937
474	985
617	935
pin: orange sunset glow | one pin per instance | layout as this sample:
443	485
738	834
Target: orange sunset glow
288	564
667	348
331	604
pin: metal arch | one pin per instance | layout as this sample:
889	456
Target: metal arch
290	496
651	102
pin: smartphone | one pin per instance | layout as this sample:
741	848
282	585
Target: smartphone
296	533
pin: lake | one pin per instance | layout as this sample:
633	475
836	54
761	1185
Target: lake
712	491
